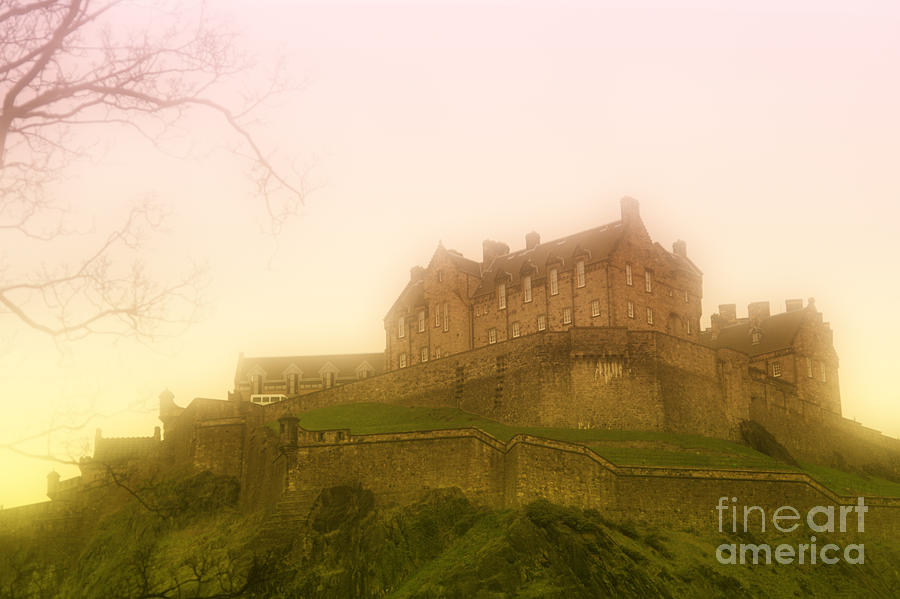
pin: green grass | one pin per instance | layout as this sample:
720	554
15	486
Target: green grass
624	448
631	448
851	483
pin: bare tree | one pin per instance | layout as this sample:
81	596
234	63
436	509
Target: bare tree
71	65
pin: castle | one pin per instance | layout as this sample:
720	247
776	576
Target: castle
596	330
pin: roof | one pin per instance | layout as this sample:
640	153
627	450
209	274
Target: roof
778	332
464	264
597	242
346	364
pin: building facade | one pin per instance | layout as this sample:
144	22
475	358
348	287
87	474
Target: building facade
609	276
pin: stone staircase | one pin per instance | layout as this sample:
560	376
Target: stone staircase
282	525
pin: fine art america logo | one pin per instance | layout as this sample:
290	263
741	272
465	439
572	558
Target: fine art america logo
787	519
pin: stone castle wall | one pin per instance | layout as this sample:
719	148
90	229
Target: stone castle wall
399	468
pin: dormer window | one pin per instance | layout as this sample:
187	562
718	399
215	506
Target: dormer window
292	383
501	296
579	273
648	281
628	279
554	281
328	379
526	288
256	384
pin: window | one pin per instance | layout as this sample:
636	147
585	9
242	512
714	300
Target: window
579	273
446	317
363	374
291	383
328	379
809	372
492	335
401	327
421	317
440	276
403	360
542	322
526	289
437	353
685	296
554	281
630	309
567	315
595	308
824	373
501	296
628	279
648	281
776	368
256	384
423	354
437	315
689	326
755	337
516	329
649	315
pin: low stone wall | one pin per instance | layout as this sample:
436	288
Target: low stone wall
398	468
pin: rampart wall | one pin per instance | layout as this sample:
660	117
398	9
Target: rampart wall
398	468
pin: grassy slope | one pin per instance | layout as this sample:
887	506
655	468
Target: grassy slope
440	547
628	448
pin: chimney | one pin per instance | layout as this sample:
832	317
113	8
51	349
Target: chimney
416	273
727	314
758	311
631	210
679	248
532	239
491	249
792	305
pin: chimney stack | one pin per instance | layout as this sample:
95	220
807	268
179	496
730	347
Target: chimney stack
727	314
631	210
532	239
792	305
679	248
492	249
758	311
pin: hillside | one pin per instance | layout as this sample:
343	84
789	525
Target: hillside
199	545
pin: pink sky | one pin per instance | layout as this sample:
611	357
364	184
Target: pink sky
765	134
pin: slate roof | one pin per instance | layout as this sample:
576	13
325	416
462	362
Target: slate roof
778	332
598	242
464	264
310	365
